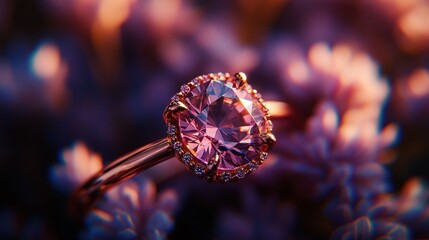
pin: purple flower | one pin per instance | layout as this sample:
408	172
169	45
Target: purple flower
133	210
262	217
403	216
366	228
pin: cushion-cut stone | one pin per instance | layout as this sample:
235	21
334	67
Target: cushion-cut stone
222	119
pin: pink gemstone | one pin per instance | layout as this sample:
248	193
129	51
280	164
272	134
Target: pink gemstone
224	120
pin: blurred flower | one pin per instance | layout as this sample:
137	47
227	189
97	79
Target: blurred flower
131	210
409	208
405	216
260	218
47	65
253	18
162	18
102	21
211	45
409	18
218	40
34	79
366	228
101	14
78	164
412	96
106	36
331	146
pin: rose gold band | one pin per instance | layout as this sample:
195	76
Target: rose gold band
118	171
133	163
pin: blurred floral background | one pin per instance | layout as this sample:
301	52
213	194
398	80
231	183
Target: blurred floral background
84	81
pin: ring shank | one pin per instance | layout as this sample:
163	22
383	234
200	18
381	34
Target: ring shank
278	109
118	171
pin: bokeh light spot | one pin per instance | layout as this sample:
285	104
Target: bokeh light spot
418	83
46	61
112	13
298	71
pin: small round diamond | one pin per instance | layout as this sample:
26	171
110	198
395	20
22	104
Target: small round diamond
196	82
226	176
185	89
187	157
253	166
263	156
241	174
171	130
177	146
205	78
248	88
199	170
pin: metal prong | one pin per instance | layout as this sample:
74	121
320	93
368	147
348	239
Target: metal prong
177	107
213	163
173	109
240	79
212	167
269	139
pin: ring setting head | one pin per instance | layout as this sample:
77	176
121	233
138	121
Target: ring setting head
219	127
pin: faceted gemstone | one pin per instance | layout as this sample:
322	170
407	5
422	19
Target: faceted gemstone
222	120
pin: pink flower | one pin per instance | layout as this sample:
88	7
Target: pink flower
331	145
133	209
408	18
78	164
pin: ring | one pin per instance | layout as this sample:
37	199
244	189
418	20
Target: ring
218	126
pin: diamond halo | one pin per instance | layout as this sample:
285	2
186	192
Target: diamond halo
219	127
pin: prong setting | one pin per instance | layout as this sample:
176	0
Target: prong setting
177	107
213	163
240	79
212	167
211	170
269	140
